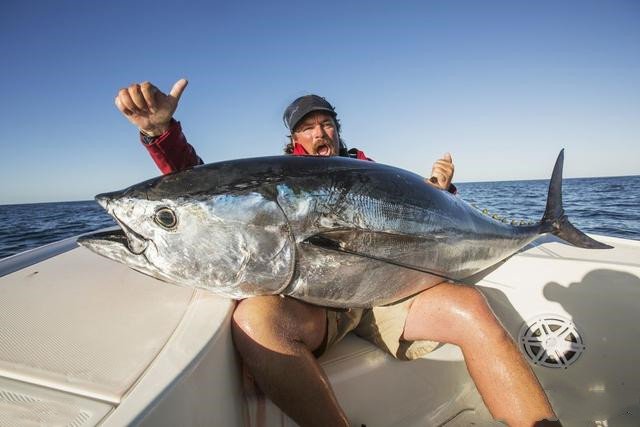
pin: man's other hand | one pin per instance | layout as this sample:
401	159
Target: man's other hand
442	172
149	109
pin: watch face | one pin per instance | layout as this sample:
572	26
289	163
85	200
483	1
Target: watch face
147	139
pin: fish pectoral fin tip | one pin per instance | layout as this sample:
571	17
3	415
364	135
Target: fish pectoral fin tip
323	242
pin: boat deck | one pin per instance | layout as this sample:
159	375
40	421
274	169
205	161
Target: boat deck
86	341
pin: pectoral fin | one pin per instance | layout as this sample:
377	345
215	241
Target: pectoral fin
394	249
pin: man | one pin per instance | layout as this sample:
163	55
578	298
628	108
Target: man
276	336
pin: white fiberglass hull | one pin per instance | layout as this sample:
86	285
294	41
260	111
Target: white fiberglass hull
86	341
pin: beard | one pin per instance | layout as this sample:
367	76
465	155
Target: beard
324	148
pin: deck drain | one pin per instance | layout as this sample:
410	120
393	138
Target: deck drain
551	341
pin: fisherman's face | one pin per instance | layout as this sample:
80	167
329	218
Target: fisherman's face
318	134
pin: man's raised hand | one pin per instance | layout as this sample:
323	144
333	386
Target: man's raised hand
148	108
442	172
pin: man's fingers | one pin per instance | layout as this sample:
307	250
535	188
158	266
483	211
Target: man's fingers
443	163
149	93
126	101
444	166
138	99
442	172
178	88
441	168
122	108
437	176
438	180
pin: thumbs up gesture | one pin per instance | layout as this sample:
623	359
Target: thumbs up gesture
442	172
148	108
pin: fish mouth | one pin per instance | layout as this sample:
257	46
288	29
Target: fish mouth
135	242
113	244
115	236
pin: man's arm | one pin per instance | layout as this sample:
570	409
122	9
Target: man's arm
170	150
151	111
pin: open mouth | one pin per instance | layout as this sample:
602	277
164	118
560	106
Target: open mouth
136	243
323	150
116	236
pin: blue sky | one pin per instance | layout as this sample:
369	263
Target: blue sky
502	85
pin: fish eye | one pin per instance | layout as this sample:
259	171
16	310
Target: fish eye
166	218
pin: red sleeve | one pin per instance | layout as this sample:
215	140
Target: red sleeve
171	151
354	153
361	156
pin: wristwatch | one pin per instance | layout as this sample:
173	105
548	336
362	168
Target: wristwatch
147	139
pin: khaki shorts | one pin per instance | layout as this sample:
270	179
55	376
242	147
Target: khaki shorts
382	326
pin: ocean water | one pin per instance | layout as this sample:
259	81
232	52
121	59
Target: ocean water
24	227
608	206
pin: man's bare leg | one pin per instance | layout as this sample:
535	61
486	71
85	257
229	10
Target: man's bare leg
460	315
275	337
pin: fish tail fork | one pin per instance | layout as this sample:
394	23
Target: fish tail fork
555	221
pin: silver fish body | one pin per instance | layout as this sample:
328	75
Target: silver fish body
330	231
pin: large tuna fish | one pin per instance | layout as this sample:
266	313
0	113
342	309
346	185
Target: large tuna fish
330	231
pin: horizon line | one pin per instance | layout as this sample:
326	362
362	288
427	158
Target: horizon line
459	182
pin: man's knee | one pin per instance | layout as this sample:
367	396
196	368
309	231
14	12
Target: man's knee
267	319
478	314
452	313
249	314
258	316
473	302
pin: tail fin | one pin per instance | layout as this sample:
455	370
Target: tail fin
556	222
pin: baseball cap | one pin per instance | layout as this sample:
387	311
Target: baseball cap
303	106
